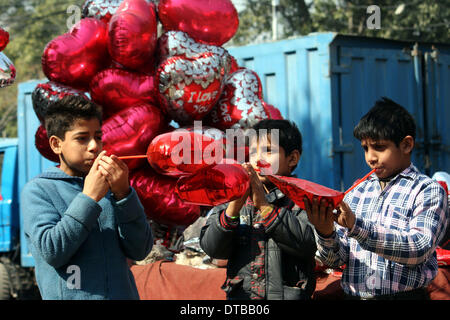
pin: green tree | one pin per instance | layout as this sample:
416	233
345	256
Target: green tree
416	20
31	25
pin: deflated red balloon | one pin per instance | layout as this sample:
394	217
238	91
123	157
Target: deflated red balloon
296	189
133	33
208	21
182	152
130	131
214	185
75	57
116	89
43	146
161	203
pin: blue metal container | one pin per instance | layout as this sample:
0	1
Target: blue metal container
31	163
9	202
326	82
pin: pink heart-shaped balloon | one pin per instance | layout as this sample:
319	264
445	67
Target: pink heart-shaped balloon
182	152
130	131
116	89
208	21
214	185
133	34
7	71
161	203
4	39
49	92
75	57
42	144
241	103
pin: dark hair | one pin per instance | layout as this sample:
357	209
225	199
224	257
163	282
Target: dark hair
290	138
62	114
387	120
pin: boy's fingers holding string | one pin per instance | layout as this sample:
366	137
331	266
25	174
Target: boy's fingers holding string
95	165
119	162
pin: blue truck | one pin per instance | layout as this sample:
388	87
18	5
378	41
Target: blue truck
324	82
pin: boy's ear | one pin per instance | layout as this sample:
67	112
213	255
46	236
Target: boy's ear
407	144
293	158
55	144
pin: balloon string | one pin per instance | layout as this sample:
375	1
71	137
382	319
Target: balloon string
356	184
133	157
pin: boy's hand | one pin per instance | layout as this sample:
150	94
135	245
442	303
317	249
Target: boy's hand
345	217
257	189
235	206
95	184
320	216
116	173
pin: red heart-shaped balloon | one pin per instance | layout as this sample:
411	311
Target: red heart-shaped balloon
100	9
161	203
241	103
189	76
49	92
178	43
214	185
7	71
133	34
4	39
116	89
130	131
42	144
272	111
189	88
75	57
182	152
208	21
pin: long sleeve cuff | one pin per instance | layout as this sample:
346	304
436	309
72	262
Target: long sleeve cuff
226	222
130	207
360	230
270	217
326	242
84	210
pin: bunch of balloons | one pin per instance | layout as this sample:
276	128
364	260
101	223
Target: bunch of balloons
144	80
7	69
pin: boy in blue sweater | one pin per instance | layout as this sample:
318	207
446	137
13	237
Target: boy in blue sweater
83	220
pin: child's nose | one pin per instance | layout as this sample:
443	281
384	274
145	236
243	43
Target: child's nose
371	157
94	145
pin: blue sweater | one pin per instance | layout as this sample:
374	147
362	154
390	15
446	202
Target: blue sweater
80	246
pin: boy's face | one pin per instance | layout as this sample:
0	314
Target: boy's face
386	157
80	147
263	150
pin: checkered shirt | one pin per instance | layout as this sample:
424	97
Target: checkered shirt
392	245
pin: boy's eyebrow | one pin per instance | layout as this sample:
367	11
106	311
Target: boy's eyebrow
87	132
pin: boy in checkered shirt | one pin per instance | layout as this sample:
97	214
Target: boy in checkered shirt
386	230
